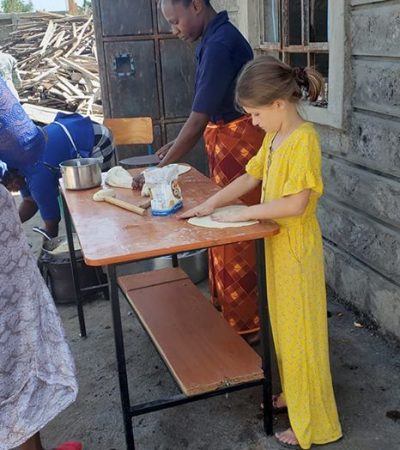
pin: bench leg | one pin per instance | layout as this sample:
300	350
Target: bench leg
265	336
120	353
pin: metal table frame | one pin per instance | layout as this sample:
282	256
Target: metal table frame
129	411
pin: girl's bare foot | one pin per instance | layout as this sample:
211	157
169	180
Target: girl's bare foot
287	437
278	403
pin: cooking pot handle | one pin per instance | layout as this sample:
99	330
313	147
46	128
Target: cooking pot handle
53	169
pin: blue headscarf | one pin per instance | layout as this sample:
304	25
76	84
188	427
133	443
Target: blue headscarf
21	141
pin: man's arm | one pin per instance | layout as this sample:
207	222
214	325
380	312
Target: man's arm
188	137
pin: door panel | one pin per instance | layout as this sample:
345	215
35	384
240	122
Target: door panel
132	87
126	17
163	25
178	64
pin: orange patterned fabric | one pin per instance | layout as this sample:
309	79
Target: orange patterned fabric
232	268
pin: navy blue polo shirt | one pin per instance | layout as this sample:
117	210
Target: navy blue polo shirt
221	54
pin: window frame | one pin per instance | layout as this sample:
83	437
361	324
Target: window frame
252	12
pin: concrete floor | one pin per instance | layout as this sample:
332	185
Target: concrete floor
366	374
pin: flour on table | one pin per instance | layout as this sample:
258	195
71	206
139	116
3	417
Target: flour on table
119	177
208	222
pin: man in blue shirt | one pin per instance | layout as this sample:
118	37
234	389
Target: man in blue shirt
230	140
66	137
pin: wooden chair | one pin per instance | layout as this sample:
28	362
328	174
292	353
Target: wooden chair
131	131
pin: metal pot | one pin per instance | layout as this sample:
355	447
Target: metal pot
81	173
56	269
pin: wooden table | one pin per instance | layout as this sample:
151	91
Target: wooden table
203	353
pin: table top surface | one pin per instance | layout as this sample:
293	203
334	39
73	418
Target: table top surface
111	235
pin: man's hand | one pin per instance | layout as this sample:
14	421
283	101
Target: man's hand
138	181
164	150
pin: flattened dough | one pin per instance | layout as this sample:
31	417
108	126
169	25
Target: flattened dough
207	221
119	177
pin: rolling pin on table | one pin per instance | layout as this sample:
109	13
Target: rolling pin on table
109	196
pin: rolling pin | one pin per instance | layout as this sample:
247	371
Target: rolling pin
108	195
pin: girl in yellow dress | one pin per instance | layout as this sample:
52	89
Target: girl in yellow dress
289	167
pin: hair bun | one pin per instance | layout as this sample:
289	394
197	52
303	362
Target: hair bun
301	77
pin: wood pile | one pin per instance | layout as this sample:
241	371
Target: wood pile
57	61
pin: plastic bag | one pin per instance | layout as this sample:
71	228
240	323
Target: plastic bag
165	193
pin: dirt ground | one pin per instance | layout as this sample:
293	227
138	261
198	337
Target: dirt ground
366	374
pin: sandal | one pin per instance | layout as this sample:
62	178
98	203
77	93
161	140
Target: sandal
71	445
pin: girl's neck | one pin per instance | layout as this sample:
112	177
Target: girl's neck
292	121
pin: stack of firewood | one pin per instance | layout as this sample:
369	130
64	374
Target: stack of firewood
57	61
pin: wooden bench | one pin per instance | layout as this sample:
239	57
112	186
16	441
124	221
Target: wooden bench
201	350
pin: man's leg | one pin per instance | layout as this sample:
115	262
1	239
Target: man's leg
27	209
51	227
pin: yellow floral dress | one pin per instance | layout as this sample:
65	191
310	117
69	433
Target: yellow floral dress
296	286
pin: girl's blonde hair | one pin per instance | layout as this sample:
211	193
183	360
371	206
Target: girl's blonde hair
266	79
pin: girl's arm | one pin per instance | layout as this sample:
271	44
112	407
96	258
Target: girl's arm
233	191
290	206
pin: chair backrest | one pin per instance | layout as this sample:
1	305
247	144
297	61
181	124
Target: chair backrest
131	130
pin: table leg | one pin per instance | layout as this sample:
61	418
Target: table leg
120	352
74	268
175	262
265	336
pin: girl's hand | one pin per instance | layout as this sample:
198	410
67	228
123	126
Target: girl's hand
235	216
204	209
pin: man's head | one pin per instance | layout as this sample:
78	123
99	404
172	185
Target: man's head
186	17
